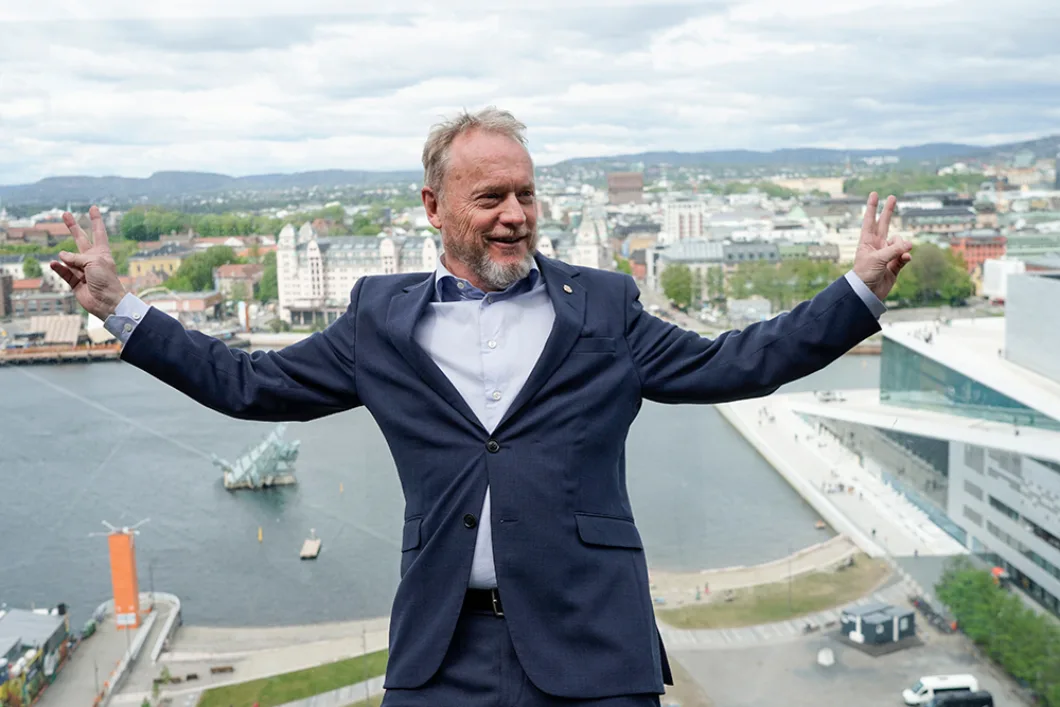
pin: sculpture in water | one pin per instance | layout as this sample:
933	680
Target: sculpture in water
267	463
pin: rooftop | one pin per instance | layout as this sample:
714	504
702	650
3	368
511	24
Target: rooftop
863	407
970	347
31	628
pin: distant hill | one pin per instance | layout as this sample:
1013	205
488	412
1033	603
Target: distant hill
172	186
1042	147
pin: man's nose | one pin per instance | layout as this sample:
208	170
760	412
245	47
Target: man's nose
512	213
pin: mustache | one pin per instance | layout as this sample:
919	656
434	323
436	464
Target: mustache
511	234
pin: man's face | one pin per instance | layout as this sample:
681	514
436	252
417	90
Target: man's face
487	212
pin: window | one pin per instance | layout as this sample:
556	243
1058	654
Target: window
1012	513
975	457
1055	466
973	490
911	380
973	516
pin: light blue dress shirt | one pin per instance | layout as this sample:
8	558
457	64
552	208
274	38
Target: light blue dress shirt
486	343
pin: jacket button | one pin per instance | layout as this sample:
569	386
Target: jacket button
470	521
493	447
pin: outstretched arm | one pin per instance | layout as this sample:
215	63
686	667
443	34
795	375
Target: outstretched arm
678	366
310	379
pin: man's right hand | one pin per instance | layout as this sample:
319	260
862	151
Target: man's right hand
91	272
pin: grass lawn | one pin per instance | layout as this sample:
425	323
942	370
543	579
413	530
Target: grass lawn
810	593
288	687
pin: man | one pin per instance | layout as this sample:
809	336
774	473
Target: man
505	384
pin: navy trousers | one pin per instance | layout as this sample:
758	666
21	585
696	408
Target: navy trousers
481	670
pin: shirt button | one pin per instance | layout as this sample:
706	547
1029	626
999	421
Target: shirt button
496	395
127	328
470	521
489	300
491	344
136	316
460	285
493	447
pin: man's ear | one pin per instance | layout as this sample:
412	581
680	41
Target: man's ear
432	204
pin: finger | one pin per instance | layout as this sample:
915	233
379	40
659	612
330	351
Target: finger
894	250
868	225
82	241
72	279
99	230
76	260
896	265
884	223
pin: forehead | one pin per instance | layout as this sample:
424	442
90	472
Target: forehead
479	156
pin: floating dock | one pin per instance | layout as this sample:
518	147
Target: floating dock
310	549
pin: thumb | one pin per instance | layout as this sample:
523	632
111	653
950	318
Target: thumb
894	250
77	260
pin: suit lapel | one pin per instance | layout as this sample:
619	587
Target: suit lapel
568	301
405	310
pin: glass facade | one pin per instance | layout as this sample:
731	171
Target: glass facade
910	380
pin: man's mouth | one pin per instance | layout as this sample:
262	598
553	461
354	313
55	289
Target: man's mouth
505	239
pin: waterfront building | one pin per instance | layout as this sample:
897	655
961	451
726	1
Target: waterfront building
966	424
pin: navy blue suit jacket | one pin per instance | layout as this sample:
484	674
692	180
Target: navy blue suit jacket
569	559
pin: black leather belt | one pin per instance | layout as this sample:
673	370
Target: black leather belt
483	601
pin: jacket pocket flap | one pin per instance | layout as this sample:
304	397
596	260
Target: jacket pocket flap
594	344
608	531
410	536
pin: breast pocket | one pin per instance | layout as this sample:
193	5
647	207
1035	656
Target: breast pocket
594	345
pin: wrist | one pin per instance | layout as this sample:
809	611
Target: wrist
110	304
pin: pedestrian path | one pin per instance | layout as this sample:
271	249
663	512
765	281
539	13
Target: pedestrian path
723	638
853	499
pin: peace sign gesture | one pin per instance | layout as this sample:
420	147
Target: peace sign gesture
91	272
877	260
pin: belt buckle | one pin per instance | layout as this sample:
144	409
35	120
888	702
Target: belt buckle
495	598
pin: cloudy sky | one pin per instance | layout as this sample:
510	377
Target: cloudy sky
242	87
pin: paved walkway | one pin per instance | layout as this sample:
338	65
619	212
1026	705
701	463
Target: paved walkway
713	639
677	588
253	653
817	466
96	659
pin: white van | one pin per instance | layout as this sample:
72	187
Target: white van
930	685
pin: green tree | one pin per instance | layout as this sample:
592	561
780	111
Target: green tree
698	284
1024	643
622	265
677	284
239	293
195	274
31	268
132	226
715	283
901	182
268	289
934	276
278	325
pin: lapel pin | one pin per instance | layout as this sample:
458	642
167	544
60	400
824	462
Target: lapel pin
567	289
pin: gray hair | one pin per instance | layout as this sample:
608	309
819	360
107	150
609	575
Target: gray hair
440	139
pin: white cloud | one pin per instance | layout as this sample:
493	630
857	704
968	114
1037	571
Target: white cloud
125	87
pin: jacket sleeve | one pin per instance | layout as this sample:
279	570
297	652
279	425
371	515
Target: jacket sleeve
310	379
679	366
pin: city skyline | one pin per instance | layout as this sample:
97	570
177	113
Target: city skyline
130	93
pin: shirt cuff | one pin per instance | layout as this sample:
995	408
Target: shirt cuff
871	301
127	315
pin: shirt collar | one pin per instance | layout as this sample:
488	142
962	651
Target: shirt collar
450	288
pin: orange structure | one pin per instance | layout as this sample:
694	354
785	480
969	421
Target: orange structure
123	578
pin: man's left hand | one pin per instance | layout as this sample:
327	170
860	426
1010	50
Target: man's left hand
877	261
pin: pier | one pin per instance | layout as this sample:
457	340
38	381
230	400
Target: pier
45	355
